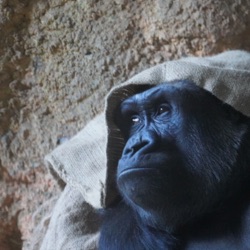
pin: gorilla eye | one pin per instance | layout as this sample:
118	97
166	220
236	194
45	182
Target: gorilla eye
164	108
135	119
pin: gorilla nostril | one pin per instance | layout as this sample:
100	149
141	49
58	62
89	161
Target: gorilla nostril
133	149
128	151
139	146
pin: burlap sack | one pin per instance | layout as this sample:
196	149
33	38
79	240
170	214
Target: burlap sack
73	225
89	171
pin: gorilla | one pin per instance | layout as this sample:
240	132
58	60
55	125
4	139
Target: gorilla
184	173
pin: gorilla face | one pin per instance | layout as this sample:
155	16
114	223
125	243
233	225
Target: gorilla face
181	151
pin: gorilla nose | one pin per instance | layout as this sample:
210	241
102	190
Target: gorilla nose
141	143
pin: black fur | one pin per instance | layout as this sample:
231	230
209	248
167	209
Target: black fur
183	175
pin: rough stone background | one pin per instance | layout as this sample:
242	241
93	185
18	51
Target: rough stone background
59	58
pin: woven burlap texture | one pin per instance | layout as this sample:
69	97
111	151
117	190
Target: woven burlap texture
87	162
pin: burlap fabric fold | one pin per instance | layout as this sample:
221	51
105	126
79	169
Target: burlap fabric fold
87	163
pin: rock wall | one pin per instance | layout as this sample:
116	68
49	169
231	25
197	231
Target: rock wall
58	60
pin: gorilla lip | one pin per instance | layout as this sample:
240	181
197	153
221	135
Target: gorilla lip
136	169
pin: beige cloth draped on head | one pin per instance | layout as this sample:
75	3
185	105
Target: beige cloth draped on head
87	162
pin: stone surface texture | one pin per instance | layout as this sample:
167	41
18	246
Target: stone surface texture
58	60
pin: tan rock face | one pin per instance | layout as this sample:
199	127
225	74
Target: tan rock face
58	60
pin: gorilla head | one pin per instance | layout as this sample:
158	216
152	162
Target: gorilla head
183	156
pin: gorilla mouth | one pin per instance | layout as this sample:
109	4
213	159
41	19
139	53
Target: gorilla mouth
137	170
145	164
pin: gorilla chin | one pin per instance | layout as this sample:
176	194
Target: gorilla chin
133	183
